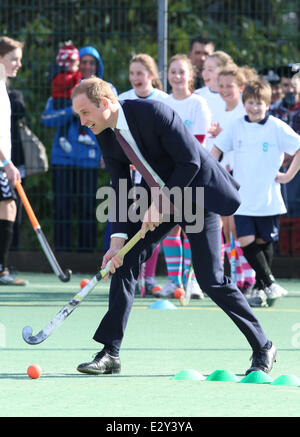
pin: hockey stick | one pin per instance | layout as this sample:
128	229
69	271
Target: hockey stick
185	300
63	276
77	299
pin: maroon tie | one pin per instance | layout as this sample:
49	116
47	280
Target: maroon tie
135	160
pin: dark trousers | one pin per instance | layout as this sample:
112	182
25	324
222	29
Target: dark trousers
206	257
74	191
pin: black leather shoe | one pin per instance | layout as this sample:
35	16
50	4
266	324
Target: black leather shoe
263	360
103	363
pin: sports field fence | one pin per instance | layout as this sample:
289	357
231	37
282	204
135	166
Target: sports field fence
256	33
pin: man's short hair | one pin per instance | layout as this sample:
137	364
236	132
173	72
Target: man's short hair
259	90
94	88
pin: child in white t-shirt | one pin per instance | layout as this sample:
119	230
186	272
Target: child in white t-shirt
194	112
144	78
11	52
259	142
231	82
191	108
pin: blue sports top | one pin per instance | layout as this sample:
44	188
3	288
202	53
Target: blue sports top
85	149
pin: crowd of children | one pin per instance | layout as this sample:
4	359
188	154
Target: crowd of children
231	115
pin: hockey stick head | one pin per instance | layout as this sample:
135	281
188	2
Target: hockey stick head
32	339
66	276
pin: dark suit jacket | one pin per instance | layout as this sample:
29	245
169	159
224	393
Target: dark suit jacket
173	152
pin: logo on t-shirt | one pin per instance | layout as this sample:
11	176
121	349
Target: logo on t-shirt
188	123
239	144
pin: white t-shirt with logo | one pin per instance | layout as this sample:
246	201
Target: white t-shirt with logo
258	154
193	111
225	118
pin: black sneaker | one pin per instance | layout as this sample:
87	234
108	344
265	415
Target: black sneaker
263	360
103	363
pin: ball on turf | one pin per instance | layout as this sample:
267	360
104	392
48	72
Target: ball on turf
179	292
84	282
34	371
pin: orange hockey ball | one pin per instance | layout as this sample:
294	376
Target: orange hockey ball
178	293
34	371
84	282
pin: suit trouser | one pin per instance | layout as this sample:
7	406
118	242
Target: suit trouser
206	257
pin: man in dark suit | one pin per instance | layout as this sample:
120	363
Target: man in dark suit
174	158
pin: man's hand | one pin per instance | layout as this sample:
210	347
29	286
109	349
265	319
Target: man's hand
12	173
116	244
214	130
152	219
